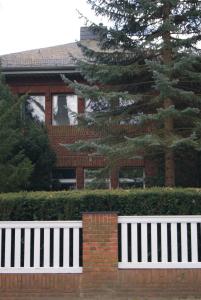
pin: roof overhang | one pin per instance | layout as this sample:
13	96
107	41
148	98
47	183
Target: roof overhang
40	71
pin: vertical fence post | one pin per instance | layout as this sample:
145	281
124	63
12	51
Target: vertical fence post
100	249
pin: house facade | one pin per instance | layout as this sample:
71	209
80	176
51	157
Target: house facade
38	73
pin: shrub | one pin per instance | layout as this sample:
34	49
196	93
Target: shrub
70	205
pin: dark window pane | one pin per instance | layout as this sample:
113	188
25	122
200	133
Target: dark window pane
131	177
64	173
64	179
94	180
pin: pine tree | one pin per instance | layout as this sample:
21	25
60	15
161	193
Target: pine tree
26	158
15	167
36	146
145	76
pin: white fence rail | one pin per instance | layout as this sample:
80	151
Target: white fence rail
40	247
160	242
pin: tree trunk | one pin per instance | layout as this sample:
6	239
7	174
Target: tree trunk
169	155
169	168
168	123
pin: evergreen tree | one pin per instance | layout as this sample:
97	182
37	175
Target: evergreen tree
145	76
26	159
35	145
15	167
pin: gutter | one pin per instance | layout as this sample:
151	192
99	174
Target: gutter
40	70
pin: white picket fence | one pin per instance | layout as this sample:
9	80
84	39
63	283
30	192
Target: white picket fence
40	247
160	242
144	242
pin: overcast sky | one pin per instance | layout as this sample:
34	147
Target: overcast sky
30	24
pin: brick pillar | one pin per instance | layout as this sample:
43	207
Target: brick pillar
150	168
81	105
80	178
114	177
100	251
48	108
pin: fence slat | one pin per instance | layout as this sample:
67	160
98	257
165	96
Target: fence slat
144	242
27	247
75	247
17	247
8	248
134	244
56	248
184	245
174	244
46	247
124	242
164	255
66	248
154	243
37	247
194	242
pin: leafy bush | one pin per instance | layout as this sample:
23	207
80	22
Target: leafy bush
70	205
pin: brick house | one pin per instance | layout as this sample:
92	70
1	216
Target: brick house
39	74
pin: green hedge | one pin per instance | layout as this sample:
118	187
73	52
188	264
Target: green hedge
70	205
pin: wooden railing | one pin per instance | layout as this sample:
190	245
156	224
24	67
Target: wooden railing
160	242
41	247
144	242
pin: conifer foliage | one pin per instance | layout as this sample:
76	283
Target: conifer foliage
26	158
145	76
15	167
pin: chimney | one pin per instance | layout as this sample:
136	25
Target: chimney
87	34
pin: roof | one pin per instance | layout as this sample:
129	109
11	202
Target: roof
55	58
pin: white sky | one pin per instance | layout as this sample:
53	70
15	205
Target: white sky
30	24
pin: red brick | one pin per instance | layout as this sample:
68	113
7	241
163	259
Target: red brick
69	134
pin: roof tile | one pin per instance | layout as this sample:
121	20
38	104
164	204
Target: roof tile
50	57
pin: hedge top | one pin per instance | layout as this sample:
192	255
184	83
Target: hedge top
69	205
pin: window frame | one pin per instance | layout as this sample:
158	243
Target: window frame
24	109
52	108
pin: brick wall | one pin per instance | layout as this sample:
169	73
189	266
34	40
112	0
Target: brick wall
69	134
101	278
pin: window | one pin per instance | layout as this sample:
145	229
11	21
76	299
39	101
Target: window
88	106
64	109
123	110
64	179
131	120
95	179
126	103
35	108
96	106
131	177
129	116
